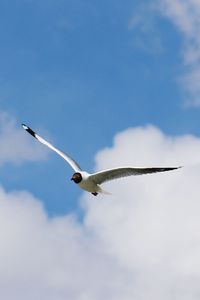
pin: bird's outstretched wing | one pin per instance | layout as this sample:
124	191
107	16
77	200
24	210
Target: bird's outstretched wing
66	157
111	174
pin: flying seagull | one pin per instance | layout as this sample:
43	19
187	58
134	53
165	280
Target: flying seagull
92	182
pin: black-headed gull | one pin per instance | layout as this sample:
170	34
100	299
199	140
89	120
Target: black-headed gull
91	182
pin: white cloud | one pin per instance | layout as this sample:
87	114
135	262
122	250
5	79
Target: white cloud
151	223
16	146
185	14
43	258
141	243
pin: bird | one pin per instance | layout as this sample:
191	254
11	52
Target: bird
91	182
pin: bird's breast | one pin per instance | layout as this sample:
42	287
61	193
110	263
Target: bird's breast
89	185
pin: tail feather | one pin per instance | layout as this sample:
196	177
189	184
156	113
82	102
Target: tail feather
103	191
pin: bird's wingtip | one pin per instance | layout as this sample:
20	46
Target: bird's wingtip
29	130
24	126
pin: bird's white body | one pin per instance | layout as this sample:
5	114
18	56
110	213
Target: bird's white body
91	182
88	184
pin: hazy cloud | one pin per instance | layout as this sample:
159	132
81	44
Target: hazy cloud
16	146
146	35
185	14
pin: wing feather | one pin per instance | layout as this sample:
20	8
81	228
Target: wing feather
111	174
65	156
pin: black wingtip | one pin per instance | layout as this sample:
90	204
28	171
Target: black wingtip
173	168
177	167
29	130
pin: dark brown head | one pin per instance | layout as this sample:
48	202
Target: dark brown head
77	177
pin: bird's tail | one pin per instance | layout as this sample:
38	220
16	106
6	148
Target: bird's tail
103	191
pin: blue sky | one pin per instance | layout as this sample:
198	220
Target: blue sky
111	83
82	71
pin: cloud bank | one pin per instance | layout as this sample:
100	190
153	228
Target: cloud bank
141	243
